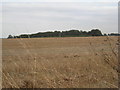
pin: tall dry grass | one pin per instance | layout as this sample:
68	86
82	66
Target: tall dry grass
77	62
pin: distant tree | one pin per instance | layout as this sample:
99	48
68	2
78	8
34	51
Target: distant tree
95	32
10	36
24	36
114	34
70	33
15	37
105	34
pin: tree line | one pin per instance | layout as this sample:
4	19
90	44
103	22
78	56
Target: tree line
70	33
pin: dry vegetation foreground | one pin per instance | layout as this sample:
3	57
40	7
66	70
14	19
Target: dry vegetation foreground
71	62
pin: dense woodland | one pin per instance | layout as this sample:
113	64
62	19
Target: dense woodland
70	33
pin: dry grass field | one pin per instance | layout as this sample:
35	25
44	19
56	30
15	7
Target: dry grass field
70	62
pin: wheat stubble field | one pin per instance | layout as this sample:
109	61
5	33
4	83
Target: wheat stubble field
70	62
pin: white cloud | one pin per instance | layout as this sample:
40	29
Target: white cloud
58	16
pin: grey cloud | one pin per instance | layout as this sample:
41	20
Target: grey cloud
61	16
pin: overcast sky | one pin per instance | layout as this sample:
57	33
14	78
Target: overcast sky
60	0
31	17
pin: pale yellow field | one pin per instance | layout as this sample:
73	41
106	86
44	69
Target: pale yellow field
71	62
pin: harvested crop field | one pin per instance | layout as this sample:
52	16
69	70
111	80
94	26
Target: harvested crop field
70	62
